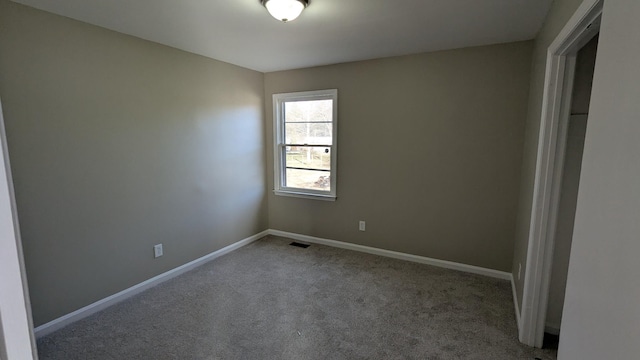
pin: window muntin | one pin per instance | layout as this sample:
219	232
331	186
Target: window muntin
305	149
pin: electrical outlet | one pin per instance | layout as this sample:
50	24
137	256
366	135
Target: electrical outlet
362	226
519	270
157	251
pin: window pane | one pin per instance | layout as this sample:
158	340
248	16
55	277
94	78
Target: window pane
308	111
308	179
308	157
308	133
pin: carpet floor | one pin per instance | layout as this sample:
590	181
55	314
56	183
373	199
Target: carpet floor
269	300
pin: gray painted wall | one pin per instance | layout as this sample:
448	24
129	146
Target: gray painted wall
118	144
430	150
601	318
585	64
559	14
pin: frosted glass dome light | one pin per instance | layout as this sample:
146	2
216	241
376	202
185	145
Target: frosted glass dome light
285	10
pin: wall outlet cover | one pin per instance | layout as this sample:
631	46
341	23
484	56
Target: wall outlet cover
157	251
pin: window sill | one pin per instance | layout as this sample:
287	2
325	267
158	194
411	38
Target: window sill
305	195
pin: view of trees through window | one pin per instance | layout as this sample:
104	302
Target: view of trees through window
308	141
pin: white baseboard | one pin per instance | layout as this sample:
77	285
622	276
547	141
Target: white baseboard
553	329
515	301
396	255
91	309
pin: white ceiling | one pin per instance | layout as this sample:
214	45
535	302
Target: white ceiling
241	32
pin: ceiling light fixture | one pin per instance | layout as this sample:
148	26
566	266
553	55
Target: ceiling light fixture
285	10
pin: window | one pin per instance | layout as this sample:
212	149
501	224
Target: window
305	126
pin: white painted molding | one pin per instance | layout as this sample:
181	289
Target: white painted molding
396	255
17	340
580	28
553	329
279	144
99	305
515	301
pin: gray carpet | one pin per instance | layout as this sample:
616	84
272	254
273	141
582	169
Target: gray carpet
270	300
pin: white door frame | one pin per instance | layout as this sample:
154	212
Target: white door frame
558	87
17	339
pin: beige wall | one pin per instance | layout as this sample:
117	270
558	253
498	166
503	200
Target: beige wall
429	153
559	14
601	318
118	144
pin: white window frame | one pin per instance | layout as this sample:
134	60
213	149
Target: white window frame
279	145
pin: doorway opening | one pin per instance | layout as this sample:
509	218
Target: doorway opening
559	142
568	191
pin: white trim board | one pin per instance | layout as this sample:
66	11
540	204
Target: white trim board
99	305
553	329
560	63
396	255
408	257
515	301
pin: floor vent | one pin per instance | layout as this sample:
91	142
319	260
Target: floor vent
295	243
